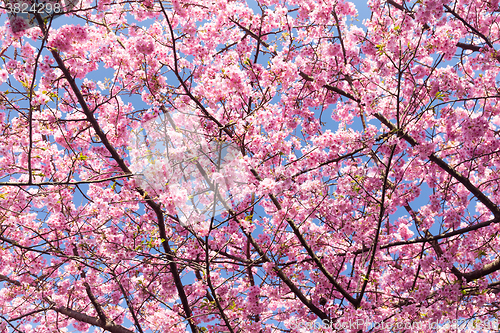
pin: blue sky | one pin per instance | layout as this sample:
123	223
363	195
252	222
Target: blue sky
100	75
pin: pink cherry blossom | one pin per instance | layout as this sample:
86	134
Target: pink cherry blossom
4	75
274	166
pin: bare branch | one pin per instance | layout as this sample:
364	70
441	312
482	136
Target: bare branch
108	326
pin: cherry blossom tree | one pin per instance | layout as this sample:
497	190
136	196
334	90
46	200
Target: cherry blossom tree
270	166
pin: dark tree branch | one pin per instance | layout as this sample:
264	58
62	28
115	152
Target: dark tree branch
284	278
464	46
7	279
121	163
213	291
66	182
444	166
469	47
108	326
309	250
473	30
129	305
377	231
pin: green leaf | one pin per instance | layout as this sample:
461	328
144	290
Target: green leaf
380	48
480	253
440	95
82	157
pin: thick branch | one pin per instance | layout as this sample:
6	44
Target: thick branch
474	30
97	306
306	246
444	166
330	87
377	231
66	183
433	240
8	279
333	160
252	34
285	278
212	289
129	305
108	326
487	269
469	47
121	163
464	46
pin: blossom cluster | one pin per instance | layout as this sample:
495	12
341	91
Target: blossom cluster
229	167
